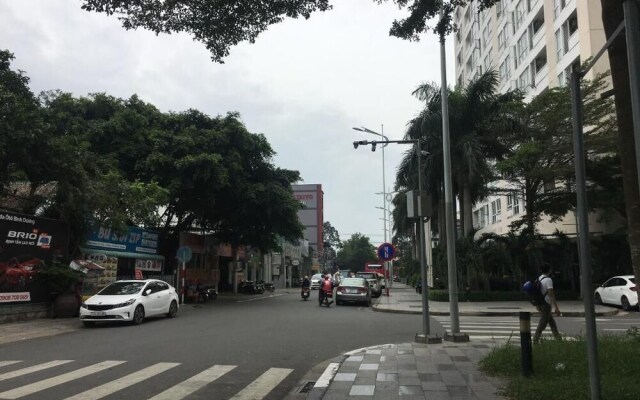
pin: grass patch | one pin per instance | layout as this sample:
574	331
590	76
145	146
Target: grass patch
560	369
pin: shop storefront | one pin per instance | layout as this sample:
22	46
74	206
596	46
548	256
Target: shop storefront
122	256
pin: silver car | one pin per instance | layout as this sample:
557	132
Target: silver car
353	289
374	283
315	281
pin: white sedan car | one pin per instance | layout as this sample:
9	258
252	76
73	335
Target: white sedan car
130	301
620	291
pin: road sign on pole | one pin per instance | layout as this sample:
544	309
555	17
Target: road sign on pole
386	252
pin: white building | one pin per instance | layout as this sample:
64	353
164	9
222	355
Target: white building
532	44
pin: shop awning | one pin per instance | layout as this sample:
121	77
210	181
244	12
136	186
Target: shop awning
123	254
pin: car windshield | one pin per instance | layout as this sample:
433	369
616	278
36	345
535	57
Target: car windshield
317	276
366	275
122	288
352	282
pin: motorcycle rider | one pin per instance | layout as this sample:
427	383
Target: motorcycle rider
306	284
325	286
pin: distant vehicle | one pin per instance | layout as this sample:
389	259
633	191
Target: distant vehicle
315	281
353	289
618	290
130	301
19	271
374	267
374	283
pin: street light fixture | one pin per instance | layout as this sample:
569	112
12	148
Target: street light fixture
384	186
426	332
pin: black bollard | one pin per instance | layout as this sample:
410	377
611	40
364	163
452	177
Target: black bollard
525	343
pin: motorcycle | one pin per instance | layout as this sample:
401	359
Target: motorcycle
268	286
259	288
306	292
247	287
206	293
327	298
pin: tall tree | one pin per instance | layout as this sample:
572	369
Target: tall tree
330	240
539	134
218	24
355	252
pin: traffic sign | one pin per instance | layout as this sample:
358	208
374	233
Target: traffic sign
184	254
386	252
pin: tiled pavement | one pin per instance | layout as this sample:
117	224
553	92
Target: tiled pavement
412	371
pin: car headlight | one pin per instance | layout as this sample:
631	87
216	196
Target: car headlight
126	303
84	305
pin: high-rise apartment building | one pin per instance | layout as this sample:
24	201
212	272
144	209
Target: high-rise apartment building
532	44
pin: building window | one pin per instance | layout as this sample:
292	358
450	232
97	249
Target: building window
505	70
516	205
519	14
522	47
572	24
495	211
484	215
558	6
560	46
513	204
524	81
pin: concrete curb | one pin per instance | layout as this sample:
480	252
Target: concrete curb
489	313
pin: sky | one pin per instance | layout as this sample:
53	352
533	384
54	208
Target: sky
303	84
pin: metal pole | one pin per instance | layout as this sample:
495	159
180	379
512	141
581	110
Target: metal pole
448	198
583	237
632	28
423	268
384	212
526	359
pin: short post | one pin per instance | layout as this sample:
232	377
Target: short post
525	343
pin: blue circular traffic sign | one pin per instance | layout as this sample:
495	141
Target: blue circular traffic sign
386	252
184	254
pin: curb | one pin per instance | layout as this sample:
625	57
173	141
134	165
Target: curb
490	313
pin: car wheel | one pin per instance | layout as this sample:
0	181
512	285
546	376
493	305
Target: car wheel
598	299
173	309
625	303
138	315
89	324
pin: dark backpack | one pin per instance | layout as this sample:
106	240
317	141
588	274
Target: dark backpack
534	290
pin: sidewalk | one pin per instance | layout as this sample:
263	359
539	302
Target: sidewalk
412	371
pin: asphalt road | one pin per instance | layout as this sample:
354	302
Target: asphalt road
277	335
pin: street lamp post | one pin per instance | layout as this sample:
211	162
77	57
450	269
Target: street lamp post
384	193
426	336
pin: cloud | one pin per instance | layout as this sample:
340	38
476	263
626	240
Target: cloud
304	84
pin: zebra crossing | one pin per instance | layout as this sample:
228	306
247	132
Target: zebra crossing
255	390
485	327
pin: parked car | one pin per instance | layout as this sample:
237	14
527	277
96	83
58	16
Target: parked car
19	271
130	301
620	291
374	283
353	289
315	281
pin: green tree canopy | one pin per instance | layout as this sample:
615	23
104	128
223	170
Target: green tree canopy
355	252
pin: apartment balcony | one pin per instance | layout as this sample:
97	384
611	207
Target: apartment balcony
540	78
574	39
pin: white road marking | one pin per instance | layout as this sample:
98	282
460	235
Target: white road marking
265	383
4	363
58	380
259	298
327	375
34	368
196	382
124	382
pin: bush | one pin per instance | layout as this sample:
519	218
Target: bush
59	278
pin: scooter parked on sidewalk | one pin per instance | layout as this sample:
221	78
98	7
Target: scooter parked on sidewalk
306	292
206	293
268	286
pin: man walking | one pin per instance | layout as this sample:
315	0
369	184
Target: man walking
546	317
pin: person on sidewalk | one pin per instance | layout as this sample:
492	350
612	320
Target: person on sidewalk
546	317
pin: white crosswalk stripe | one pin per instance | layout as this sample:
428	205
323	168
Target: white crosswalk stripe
35	368
58	380
121	383
483	327
256	390
183	389
264	384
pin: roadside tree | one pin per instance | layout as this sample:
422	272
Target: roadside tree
355	252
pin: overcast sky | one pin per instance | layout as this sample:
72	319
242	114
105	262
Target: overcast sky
304	84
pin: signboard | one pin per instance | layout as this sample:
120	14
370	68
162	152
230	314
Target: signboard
28	244
149	265
135	240
184	254
138	274
386	252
